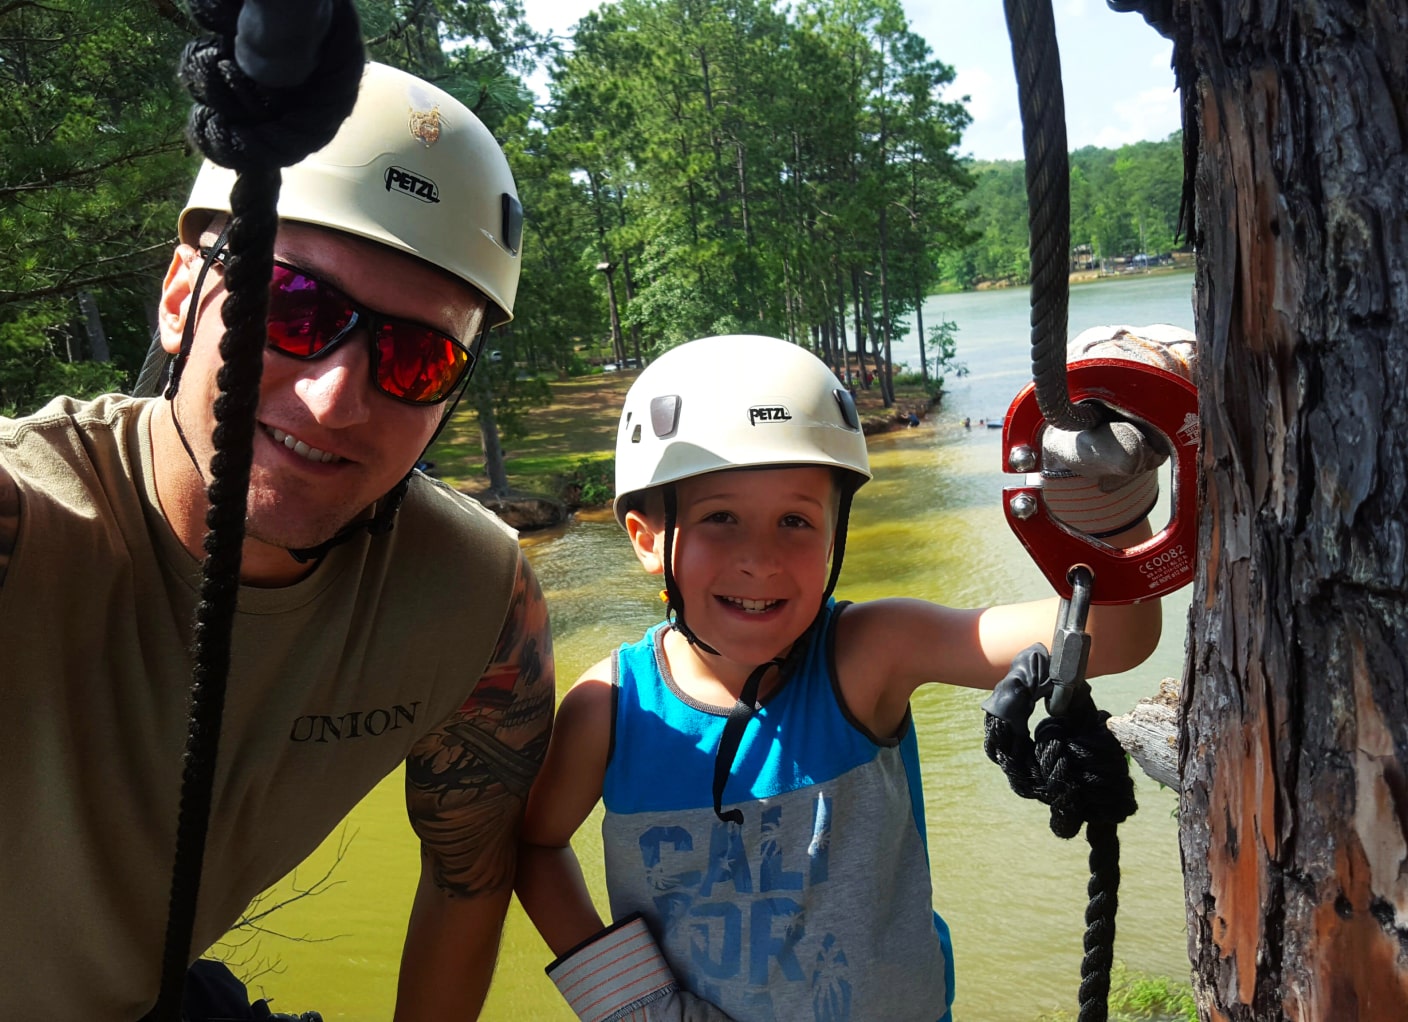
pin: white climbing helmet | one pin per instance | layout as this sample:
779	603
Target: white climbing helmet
411	167
736	401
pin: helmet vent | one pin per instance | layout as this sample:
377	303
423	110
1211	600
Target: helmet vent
665	414
635	434
848	408
513	222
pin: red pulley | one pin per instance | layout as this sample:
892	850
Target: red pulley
1153	398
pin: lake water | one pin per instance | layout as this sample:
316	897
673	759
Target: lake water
929	525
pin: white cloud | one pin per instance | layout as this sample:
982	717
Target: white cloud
977	84
1133	117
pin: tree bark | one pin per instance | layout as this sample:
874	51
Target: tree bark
495	468
1294	747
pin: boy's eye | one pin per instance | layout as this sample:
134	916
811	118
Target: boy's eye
795	522
719	517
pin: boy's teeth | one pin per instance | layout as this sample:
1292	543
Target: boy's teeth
300	448
751	605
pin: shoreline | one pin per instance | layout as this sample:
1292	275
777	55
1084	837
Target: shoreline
1081	277
530	512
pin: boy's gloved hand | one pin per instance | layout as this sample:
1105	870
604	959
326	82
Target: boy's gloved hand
619	975
1102	481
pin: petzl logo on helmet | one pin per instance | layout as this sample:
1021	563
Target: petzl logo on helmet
425	125
404	181
768	413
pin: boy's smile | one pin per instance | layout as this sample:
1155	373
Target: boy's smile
751	557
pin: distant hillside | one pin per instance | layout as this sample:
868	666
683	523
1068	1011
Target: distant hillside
1124	204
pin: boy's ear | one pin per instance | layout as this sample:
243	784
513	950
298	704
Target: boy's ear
175	301
647	541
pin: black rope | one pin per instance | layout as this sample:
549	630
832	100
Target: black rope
1037	62
1077	767
254	130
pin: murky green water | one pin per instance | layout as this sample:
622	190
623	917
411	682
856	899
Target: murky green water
929	525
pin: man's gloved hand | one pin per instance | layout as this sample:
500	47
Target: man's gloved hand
1102	481
620	975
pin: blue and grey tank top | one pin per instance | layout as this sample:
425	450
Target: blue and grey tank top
817	907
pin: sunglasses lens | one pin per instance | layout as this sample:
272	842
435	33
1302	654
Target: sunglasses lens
417	364
413	363
304	313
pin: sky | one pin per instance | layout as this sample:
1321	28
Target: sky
1115	74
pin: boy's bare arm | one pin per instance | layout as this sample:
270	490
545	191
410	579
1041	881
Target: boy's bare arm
888	648
550	884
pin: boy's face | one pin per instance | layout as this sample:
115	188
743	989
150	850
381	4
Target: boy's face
750	556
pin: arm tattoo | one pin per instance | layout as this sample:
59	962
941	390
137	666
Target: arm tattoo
467	781
9	521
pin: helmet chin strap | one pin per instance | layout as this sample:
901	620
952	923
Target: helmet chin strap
747	702
674	607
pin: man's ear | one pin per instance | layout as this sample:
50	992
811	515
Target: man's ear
175	303
647	541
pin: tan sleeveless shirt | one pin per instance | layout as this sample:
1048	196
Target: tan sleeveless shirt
332	680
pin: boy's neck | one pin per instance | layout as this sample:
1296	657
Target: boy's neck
710	679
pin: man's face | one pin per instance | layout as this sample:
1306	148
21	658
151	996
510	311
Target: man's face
327	442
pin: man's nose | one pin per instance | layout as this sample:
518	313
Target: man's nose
337	388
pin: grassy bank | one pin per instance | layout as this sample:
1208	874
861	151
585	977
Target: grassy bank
566	450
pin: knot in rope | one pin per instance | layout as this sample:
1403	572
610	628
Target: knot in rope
250	125
1074	764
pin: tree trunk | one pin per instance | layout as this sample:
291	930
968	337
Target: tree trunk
860	334
886	396
919	327
887	378
840	313
494	466
98	350
1294	747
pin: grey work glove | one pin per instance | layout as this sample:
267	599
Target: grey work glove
1103	481
620	975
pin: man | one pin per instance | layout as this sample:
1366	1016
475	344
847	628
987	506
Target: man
353	648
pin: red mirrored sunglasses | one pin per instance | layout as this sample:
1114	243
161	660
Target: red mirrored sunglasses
411	362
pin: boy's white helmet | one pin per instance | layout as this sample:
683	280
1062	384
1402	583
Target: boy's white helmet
735	401
412	168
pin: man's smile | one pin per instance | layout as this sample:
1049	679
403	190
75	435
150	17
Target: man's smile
300	448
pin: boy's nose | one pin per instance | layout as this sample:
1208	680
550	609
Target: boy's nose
336	388
759	557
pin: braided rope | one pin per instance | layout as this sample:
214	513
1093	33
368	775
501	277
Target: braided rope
1077	768
254	130
1037	63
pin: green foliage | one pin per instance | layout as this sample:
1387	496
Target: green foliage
591	481
739	159
739	165
1123	201
92	171
1138	997
941	351
31	374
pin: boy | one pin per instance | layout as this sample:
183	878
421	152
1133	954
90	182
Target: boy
801	889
